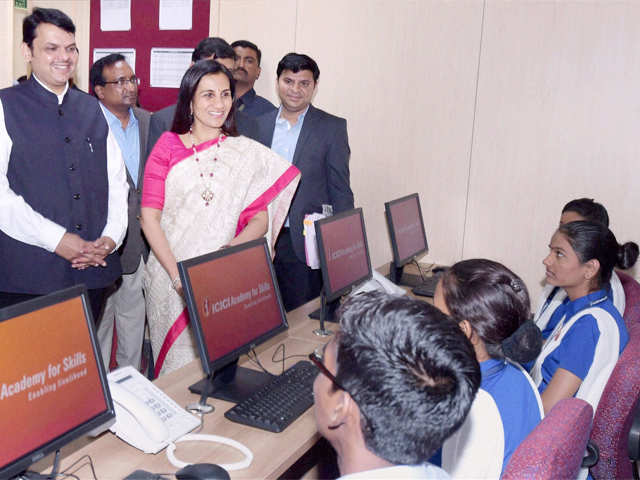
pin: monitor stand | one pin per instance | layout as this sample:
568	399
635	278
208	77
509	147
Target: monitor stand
327	310
398	276
330	315
30	475
202	407
231	383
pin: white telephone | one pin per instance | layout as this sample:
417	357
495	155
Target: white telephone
379	282
146	417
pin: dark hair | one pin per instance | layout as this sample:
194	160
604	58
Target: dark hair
182	119
45	15
248	44
216	46
95	74
495	302
411	371
297	62
589	209
592	240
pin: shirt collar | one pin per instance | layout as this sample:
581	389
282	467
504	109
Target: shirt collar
60	96
280	120
248	97
398	471
490	367
585	302
113	121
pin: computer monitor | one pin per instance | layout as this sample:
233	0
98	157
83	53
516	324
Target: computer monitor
53	388
234	305
344	257
408	236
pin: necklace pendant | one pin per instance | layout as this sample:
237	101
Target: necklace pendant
207	195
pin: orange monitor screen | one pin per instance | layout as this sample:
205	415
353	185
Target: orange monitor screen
49	379
236	300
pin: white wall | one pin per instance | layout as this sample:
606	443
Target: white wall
406	111
557	118
556	114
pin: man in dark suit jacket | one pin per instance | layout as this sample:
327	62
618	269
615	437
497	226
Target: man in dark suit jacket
211	48
116	86
315	142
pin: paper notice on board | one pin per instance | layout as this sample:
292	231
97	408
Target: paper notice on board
168	66
129	55
115	15
175	14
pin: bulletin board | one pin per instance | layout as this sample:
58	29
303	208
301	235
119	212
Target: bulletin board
144	35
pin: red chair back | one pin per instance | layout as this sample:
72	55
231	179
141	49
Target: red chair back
613	418
555	448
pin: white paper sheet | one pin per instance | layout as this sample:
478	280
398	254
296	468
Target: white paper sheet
175	14
129	55
115	15
168	66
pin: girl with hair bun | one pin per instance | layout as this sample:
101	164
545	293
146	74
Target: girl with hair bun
490	303
583	348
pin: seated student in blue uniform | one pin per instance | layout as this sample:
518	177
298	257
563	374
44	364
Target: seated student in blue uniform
553	300
491	305
579	355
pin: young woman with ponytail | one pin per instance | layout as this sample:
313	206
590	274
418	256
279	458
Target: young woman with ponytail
583	348
491	305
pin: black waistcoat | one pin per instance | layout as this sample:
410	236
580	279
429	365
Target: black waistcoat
58	164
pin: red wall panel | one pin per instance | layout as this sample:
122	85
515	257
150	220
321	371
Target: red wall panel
144	35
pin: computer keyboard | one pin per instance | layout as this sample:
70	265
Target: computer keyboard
428	287
276	405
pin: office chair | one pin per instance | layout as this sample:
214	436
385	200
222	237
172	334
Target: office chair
634	441
632	299
554	449
614	416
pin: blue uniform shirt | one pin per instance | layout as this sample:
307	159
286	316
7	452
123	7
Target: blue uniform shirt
576	351
506	409
515	398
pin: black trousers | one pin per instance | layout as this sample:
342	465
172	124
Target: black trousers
298	283
97	298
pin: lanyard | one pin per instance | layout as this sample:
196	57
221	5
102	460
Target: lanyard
549	299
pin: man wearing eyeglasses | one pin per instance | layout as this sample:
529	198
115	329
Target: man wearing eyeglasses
116	86
63	188
394	383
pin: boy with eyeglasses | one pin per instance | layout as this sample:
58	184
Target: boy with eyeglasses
395	382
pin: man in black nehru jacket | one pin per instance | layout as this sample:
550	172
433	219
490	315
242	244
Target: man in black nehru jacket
63	187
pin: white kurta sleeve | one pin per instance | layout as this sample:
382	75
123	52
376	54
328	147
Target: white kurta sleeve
117	216
17	219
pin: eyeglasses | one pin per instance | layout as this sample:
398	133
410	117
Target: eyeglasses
121	82
316	358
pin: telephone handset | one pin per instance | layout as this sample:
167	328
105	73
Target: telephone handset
146	417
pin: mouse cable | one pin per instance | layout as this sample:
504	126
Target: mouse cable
284	357
253	357
191	437
427	270
68	472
